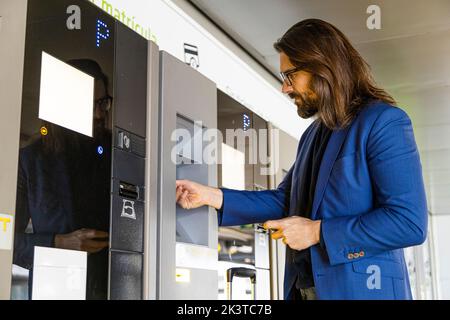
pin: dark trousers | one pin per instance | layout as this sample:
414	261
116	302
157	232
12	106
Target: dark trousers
304	294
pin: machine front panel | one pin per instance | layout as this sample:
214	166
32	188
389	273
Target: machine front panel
81	176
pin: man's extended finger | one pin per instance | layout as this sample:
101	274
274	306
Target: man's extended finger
182	199
179	193
184	196
100	234
86	233
92	234
95	245
179	183
94	249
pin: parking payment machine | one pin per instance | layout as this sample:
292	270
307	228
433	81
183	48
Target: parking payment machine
188	244
79	115
91	115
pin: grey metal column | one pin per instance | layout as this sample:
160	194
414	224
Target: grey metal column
262	238
275	281
286	149
151	192
12	49
187	239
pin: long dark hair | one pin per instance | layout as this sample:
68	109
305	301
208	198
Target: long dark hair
341	79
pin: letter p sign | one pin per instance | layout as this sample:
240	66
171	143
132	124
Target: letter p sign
102	32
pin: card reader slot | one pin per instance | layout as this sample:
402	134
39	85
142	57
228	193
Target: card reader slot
128	190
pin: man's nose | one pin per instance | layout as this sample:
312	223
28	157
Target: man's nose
286	89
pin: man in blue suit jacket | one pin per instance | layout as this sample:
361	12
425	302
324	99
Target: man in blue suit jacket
354	197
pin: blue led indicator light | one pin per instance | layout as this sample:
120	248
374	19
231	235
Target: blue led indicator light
246	122
102	32
100	150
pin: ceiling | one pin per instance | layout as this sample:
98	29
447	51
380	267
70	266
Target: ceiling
257	24
409	56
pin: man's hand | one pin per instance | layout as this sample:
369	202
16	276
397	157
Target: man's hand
297	232
91	241
191	195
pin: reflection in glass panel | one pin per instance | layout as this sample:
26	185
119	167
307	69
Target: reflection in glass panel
242	246
63	189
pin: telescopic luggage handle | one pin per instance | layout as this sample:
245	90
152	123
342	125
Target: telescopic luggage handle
241	273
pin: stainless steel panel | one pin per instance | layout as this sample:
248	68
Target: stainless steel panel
188	94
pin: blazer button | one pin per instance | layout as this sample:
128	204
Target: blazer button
361	254
356	255
350	256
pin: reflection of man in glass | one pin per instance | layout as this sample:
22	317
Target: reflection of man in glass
63	190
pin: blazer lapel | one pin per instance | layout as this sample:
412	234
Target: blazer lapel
331	152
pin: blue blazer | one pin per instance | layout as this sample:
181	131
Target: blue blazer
370	197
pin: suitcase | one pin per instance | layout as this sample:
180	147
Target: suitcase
240	272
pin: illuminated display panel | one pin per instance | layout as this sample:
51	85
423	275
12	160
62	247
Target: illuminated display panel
66	96
233	168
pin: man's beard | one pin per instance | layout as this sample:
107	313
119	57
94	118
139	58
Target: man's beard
306	105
